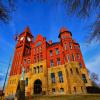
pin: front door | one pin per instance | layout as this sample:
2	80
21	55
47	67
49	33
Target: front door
37	87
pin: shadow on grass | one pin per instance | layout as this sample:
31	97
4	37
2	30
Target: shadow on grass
66	97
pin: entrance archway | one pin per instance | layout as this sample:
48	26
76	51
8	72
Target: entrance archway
37	87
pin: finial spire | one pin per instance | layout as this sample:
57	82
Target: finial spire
27	29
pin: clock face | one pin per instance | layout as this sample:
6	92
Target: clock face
21	38
28	39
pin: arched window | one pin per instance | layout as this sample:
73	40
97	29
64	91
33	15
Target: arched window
77	71
71	71
41	68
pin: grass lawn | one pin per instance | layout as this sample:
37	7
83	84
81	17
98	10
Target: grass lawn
67	97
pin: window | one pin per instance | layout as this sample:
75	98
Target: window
61	90
39	43
77	71
71	71
70	45
81	88
84	78
51	63
34	70
51	53
37	69
77	55
28	61
75	89
40	57
68	58
73	57
53	90
53	78
58	61
26	82
34	60
40	49
41	68
24	61
57	51
34	50
65	46
60	76
80	65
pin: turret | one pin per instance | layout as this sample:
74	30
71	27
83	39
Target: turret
64	34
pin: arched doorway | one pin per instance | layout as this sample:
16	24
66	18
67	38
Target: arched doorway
37	87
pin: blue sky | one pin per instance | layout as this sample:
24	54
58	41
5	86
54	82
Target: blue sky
47	19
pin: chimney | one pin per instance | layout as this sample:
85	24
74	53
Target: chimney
74	40
50	42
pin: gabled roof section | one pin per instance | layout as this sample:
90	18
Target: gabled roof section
27	31
39	37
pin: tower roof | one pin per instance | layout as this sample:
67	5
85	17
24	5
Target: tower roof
62	30
27	29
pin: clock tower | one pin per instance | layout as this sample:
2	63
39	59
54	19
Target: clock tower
22	51
21	60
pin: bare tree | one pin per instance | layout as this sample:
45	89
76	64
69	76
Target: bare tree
4	14
94	78
84	9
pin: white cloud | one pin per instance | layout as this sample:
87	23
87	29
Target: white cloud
2	74
87	47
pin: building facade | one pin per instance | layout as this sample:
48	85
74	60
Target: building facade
50	68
